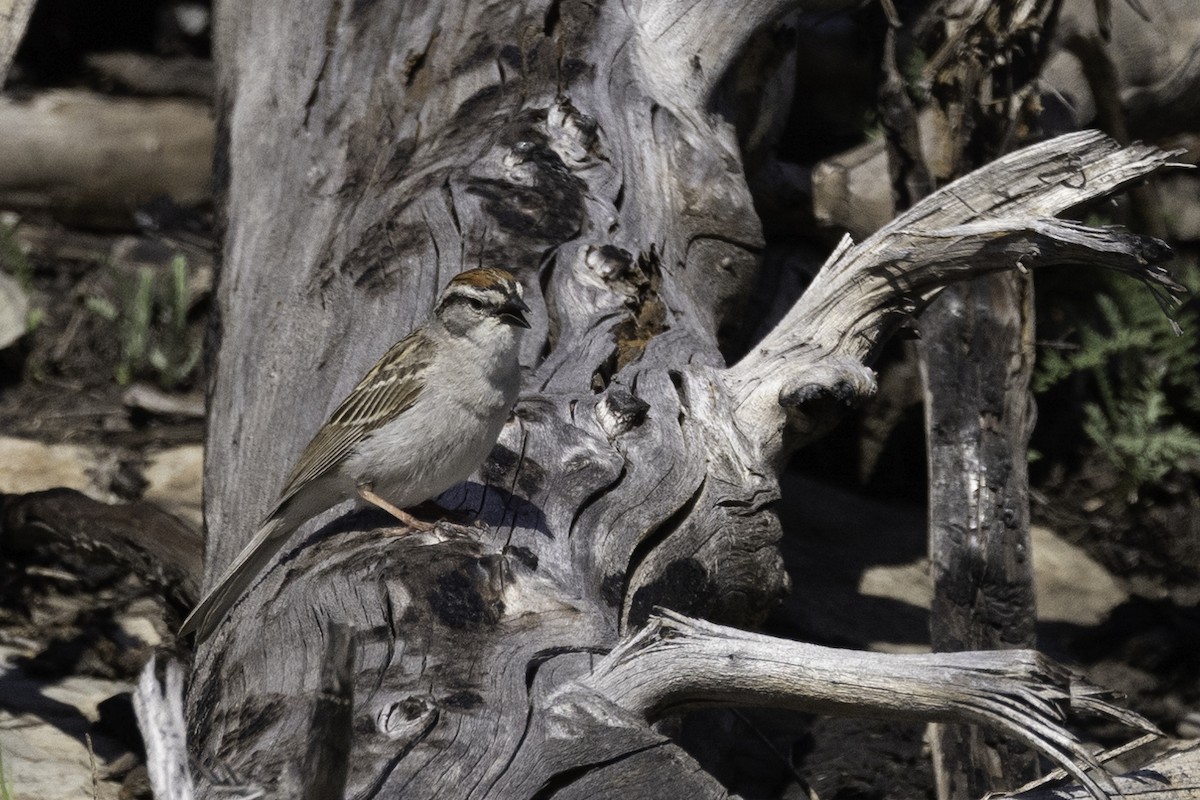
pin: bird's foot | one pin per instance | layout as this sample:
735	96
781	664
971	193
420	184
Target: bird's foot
458	516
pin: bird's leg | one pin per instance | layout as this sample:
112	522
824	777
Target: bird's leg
365	492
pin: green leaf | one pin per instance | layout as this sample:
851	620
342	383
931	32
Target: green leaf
1134	364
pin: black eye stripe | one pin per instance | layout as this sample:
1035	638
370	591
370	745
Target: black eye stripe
476	300
490	299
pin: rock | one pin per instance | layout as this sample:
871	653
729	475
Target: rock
1153	65
909	583
30	466
173	477
174	480
1180	197
837	545
1071	586
43	729
852	190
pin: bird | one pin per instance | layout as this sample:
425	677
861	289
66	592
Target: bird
419	422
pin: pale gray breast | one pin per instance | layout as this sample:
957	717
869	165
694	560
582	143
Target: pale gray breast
484	379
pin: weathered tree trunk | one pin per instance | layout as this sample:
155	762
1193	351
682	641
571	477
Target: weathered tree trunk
976	358
369	151
977	349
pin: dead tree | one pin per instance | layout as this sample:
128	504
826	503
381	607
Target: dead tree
369	151
976	359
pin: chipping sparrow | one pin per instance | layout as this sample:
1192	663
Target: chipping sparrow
420	421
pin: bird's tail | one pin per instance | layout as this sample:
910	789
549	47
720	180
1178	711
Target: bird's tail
216	604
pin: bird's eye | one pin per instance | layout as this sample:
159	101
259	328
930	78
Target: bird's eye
475	303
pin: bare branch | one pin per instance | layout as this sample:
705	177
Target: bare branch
992	220
159	712
676	662
1174	775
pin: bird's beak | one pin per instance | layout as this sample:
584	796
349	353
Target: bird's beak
514	313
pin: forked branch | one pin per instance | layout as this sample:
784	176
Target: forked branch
675	662
997	218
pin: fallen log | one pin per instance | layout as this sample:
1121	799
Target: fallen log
93	160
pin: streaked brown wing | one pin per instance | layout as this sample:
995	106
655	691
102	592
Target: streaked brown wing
385	391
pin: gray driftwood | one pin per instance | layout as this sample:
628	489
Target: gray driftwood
369	152
93	160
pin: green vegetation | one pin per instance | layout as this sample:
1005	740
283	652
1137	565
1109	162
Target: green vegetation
150	314
15	262
6	789
1144	377
13	259
913	70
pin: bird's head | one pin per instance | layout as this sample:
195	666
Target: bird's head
480	299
